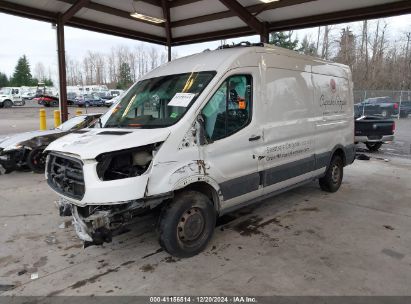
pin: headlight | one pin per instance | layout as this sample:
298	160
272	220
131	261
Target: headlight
13	147
125	163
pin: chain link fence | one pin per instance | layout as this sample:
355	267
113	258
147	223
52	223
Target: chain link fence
397	96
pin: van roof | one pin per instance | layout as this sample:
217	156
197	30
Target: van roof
229	58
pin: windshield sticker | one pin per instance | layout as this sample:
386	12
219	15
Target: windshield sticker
173	115
181	100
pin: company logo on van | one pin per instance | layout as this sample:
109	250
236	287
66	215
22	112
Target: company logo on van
333	86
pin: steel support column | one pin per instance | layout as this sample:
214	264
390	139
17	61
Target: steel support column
61	53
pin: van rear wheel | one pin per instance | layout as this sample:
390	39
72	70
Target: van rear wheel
331	182
187	224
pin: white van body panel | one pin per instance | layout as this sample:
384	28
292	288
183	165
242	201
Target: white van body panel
302	111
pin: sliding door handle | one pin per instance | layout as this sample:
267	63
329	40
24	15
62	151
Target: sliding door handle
254	138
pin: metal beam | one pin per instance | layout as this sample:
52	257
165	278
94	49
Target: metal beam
27	12
114	30
174	3
254	9
166	14
42	15
61	57
111	11
78	5
373	12
246	16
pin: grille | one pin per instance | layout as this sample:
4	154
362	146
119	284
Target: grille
65	175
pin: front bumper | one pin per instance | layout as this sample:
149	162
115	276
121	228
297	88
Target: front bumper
383	138
92	190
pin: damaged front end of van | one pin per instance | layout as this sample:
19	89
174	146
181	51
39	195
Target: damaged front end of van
105	193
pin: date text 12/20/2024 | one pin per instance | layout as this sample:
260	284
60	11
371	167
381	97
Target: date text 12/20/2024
203	299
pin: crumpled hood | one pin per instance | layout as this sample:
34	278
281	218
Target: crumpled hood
20	137
94	142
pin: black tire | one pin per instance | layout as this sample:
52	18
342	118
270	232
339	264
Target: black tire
36	160
7	103
187	224
8	169
331	182
374	147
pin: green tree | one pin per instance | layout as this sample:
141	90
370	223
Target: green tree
4	81
22	75
284	40
48	82
308	48
124	78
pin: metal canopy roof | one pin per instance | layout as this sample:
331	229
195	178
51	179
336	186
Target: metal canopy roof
192	21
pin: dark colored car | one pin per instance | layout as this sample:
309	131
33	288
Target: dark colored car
384	106
405	108
89	100
26	149
373	131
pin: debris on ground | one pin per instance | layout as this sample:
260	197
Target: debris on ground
362	157
21	272
65	224
34	276
388	227
51	239
5	287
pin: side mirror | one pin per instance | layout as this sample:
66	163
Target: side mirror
200	131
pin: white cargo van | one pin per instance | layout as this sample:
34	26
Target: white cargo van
204	135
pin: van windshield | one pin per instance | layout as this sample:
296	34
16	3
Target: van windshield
158	102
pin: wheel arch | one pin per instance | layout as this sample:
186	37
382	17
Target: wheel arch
340	151
206	187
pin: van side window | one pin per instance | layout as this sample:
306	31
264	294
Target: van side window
229	109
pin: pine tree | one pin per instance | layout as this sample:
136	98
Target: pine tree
22	75
124	79
284	40
308	48
4	81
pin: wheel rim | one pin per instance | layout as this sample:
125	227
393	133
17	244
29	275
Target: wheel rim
191	226
335	174
38	160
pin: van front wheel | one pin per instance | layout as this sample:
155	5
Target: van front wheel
187	224
331	182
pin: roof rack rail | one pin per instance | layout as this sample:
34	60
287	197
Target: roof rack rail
241	44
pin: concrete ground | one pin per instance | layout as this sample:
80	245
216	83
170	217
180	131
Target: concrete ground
304	242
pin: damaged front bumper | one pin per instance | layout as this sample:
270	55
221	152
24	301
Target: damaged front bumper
96	225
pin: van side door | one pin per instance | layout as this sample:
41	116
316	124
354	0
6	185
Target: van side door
233	135
289	129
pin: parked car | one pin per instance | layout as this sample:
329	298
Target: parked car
384	106
11	96
71	98
205	141
405	108
89	100
374	131
48	101
26	149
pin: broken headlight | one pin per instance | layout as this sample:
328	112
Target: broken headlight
125	163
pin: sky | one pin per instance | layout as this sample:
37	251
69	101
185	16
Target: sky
37	40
